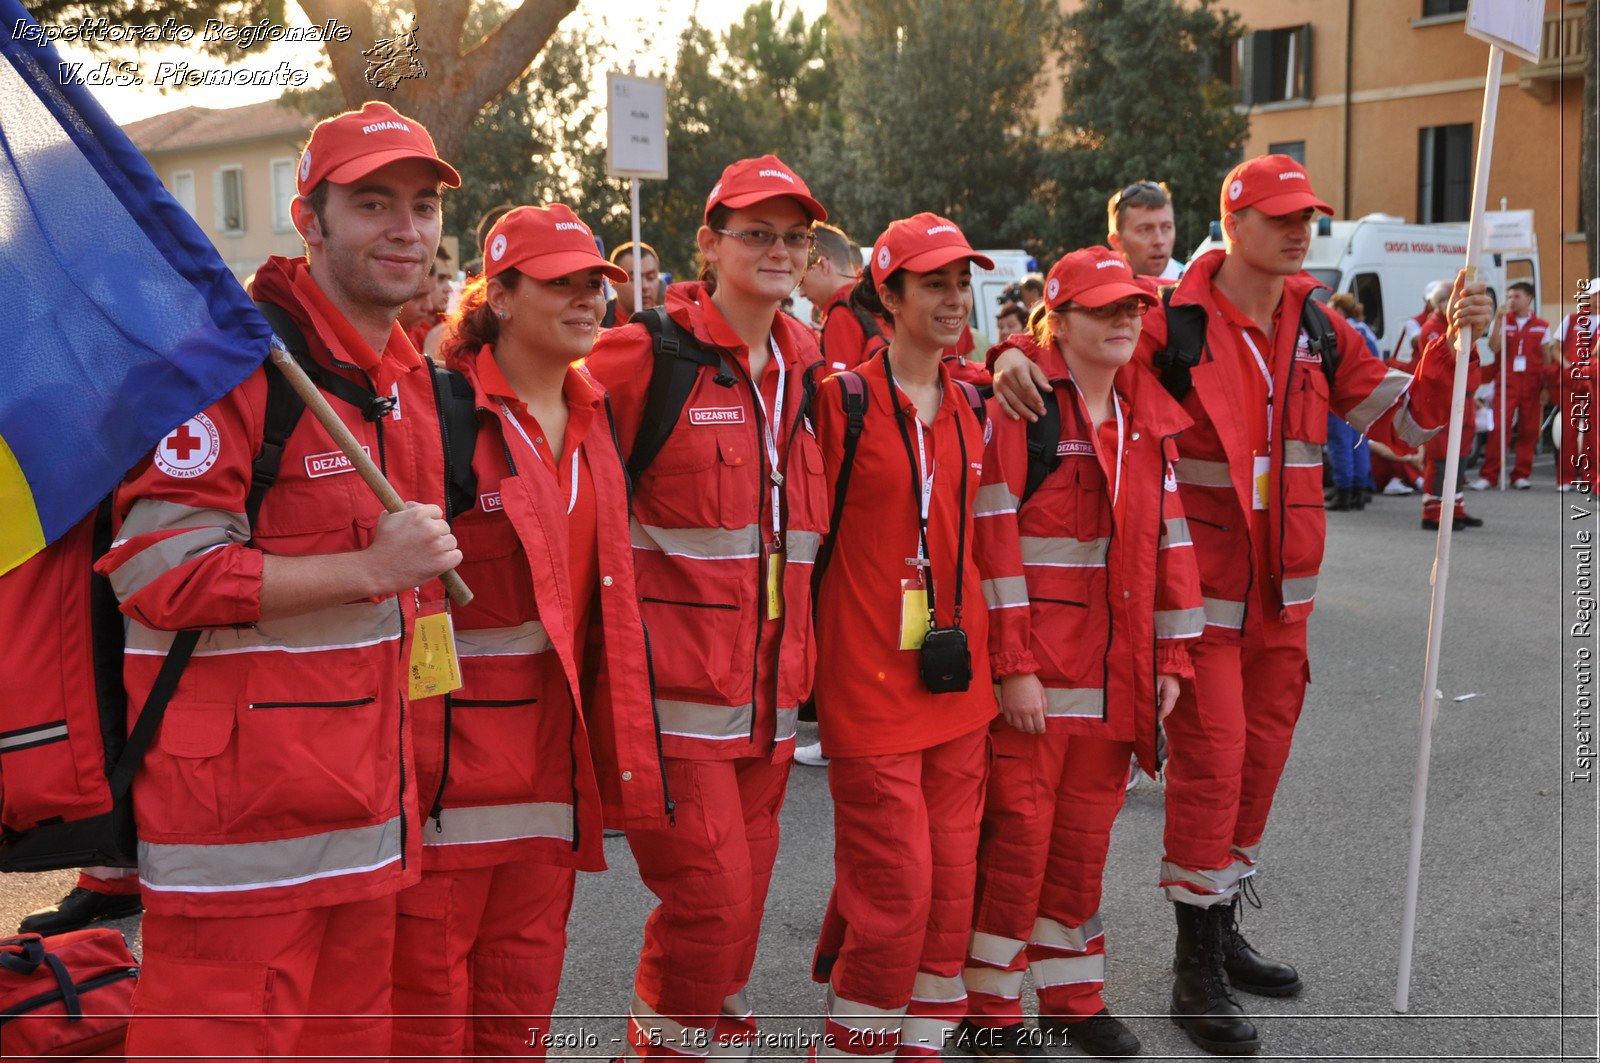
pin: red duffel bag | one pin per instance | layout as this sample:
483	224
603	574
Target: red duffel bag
65	995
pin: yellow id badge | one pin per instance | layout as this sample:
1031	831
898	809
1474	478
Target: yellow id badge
434	670
774	586
1263	476
913	614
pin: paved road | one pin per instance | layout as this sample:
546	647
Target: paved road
1507	936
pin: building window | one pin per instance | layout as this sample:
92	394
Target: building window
1275	65
1369	293
229	189
1444	173
283	193
1435	8
1295	149
183	190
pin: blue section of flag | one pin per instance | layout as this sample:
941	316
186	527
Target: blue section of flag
118	319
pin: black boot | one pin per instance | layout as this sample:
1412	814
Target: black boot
1201	1003
78	909
1101	1034
1337	500
1248	970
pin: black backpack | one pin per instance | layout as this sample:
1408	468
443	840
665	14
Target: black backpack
1186	342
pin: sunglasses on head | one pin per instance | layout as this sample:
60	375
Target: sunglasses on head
1135	189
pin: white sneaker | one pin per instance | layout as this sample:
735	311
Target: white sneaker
1396	486
1564	488
1480	484
1522	483
1134	774
811	755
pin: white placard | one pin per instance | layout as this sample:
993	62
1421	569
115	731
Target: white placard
1515	25
636	126
1508	231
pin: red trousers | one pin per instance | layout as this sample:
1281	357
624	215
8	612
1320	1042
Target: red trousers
1522	407
312	984
710	870
905	845
477	960
112	881
1046	830
1578	452
1227	741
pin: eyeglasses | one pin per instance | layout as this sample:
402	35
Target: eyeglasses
763	239
1134	189
1111	311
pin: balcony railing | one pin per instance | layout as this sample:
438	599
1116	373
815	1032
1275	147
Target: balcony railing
1561	54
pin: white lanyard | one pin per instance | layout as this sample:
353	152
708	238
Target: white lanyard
926	467
1116	467
771	427
1266	374
572	501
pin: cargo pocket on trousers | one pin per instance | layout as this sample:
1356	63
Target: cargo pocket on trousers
193	1007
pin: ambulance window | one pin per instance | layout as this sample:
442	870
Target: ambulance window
1369	293
1330	277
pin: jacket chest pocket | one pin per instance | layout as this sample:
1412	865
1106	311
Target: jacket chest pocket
1092	520
1306	415
808	500
493	564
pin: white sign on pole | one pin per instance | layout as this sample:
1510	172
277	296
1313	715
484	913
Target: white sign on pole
1508	231
1514	25
636	126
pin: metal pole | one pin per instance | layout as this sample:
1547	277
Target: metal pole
638	258
1441	560
1502	429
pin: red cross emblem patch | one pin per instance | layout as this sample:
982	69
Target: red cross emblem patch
190	449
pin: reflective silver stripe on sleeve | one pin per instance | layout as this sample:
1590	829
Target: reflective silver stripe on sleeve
1064	552
994	499
1388	392
525	639
1200	473
666	1033
38	735
499	823
339	627
701	544
148	515
800	547
164	555
1177	533
1008	592
1061	936
1068	970
787	724
1301	454
1300	590
239	866
1080	701
1222	613
693	719
993	949
1410	432
1180	623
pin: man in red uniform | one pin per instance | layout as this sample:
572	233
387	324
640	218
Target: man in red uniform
849	335
1518	339
1250	476
277	815
1571	355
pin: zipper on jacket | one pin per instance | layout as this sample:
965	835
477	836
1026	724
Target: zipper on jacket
688	605
1202	520
55	996
444	440
1283	479
655	712
1059	601
492	703
1157	743
761	561
436	813
400	733
1111	618
352	703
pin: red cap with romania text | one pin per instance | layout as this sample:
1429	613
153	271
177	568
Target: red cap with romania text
1273	184
753	180
348	146
544	243
1093	277
921	243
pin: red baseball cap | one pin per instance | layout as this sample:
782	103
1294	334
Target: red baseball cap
348	146
1273	184
544	243
1092	276
753	180
921	243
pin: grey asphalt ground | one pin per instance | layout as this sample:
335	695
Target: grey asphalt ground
1506	948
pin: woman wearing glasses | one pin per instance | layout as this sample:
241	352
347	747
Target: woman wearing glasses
729	507
1088	665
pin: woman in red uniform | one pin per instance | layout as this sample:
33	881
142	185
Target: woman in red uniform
553	715
905	701
1088	656
710	396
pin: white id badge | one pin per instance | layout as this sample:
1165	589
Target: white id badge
1519	364
1259	482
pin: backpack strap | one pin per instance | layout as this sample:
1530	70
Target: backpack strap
373	407
458	433
1320	337
980	409
679	357
1043	436
1186	342
853	397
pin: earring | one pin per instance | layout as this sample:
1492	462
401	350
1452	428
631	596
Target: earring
502	315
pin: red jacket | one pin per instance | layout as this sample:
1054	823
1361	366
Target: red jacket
1215	465
844	342
729	679
1525	341
527	766
1435	328
282	775
1095	600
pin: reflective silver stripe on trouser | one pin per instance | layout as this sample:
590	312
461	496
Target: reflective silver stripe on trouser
1298	453
164	555
1080	701
1201	473
881	1025
994	499
1005	593
787	724
1201	888
988	956
1061	936
233	867
693	719
1177	533
932	1032
1410	432
483	824
1388	392
1064	552
38	735
338	627
1180	623
1300	590
1007	985
1068	970
992	949
1222	613
1249	854
736	1007
800	547
524	639
667	1033
701	544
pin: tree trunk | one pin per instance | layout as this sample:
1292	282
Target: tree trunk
456	86
1588	208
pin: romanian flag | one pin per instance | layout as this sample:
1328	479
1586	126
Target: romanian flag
118	320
